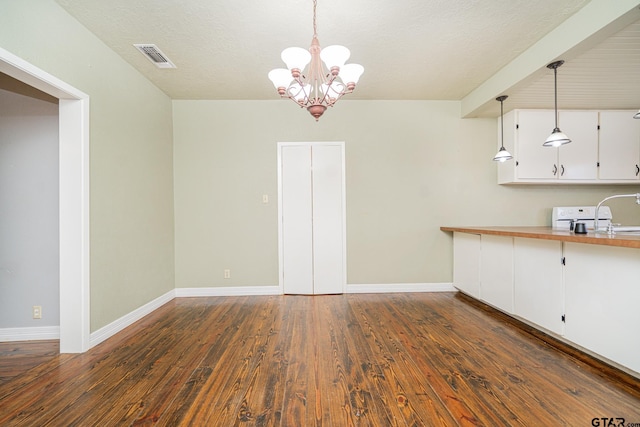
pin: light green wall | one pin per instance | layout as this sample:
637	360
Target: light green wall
411	167
130	150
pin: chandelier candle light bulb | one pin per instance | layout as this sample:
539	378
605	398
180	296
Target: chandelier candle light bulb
319	85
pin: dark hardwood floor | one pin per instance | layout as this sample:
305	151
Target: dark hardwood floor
339	360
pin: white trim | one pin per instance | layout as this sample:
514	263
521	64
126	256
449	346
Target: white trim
74	226
129	319
74	199
27	73
30	334
400	287
228	291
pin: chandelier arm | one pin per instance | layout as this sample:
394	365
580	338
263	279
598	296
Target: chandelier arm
339	92
299	104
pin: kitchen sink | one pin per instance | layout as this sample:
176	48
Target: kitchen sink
627	229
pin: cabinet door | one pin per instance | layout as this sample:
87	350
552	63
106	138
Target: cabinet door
619	146
466	263
601	301
538	293
579	159
496	271
534	160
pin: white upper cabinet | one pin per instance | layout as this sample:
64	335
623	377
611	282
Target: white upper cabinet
619	149
579	159
577	162
530	129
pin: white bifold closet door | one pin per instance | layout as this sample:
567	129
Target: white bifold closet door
312	240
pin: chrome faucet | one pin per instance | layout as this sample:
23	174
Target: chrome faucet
595	220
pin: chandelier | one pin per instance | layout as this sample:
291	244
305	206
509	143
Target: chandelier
320	85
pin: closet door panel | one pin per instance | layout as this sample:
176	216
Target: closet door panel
328	219
297	235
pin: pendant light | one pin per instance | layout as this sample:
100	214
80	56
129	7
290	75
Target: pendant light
557	137
503	155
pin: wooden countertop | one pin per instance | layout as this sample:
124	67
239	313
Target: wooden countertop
547	233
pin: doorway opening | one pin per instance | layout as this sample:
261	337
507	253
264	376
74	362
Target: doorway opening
73	198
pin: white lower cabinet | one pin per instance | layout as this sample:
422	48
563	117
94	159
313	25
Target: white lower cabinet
602	287
585	294
538	293
466	265
496	271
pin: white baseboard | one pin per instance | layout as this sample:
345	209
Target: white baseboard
350	289
228	291
30	334
118	325
400	287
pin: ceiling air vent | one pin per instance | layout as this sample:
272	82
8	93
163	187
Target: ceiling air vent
155	55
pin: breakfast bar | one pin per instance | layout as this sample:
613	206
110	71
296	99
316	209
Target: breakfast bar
627	240
583	289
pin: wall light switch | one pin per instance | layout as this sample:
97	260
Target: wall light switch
37	312
265	198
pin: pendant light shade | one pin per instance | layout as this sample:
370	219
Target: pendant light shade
503	155
557	137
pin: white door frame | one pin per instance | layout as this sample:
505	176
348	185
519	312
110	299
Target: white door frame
74	198
344	210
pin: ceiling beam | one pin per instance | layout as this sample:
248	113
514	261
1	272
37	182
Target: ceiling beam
592	24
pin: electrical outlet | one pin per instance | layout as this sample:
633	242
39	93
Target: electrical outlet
37	312
227	274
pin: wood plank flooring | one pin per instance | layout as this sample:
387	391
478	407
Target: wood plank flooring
336	360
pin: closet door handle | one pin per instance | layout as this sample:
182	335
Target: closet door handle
555	170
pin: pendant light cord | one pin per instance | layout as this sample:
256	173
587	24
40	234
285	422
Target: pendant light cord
501	125
555	91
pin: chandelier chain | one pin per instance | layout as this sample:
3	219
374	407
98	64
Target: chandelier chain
315	31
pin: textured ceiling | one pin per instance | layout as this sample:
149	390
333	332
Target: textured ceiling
411	49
